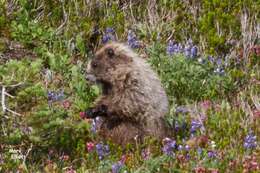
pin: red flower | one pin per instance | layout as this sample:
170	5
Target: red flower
82	115
90	146
206	104
66	104
123	158
65	157
200	170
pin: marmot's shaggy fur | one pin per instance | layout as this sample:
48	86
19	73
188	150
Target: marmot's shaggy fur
133	103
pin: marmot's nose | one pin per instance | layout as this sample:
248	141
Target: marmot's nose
90	78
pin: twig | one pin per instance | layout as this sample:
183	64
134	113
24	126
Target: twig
3	99
4	132
65	19
14	85
13	112
9	95
131	11
249	32
3	94
27	153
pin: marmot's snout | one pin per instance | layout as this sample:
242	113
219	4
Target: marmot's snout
91	78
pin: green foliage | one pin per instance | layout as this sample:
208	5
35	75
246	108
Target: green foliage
57	129
218	22
30	33
84	96
153	165
186	79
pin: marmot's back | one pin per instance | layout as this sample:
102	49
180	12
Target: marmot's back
152	86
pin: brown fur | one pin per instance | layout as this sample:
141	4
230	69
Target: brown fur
132	92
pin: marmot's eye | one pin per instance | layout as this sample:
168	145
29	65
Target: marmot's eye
94	65
110	52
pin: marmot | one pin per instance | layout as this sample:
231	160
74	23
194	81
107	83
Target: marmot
133	103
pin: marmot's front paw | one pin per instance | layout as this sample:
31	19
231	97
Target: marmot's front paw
102	110
90	113
95	112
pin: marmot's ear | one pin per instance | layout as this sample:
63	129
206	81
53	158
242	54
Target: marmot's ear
110	52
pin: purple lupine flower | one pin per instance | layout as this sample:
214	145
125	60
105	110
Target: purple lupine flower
170	48
132	40
187	147
109	35
50	95
105	38
106	148
55	96
180	126
199	151
60	95
116	167
195	125
182	110
180	147
99	148
250	141
173	48
211	59
95	30
212	154
188	47
187	51
190	42
219	62
179	48
95	124
102	150
194	51
177	126
187	156
169	146
110	30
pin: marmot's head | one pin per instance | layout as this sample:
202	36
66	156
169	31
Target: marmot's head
105	65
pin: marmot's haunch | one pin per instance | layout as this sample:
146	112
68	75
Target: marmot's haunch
133	102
